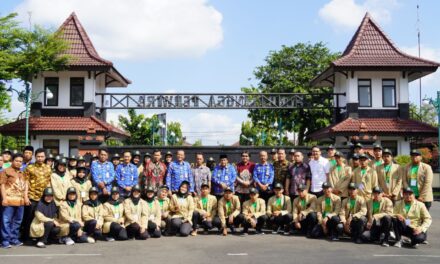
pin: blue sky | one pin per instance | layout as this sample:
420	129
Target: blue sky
232	38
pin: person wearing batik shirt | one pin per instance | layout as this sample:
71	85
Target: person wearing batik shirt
126	175
154	172
299	173
281	167
202	174
103	174
179	171
244	181
223	176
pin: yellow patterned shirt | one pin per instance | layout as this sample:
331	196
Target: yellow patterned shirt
38	177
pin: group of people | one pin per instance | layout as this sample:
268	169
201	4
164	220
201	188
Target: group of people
49	199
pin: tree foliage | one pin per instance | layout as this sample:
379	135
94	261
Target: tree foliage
427	114
290	70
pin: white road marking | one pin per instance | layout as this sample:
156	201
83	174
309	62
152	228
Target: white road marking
50	255
426	256
237	254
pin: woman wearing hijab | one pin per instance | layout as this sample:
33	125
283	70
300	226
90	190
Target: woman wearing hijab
93	214
82	184
114	217
136	215
182	209
71	220
60	181
45	225
154	212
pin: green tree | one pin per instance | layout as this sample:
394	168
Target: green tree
259	134
427	114
290	70
198	143
7	142
174	134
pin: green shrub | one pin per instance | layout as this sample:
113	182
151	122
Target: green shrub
403	159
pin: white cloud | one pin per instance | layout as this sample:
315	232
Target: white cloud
347	14
137	29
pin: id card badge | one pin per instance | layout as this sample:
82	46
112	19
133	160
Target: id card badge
361	186
226	178
135	217
83	194
151	218
413	182
107	175
407	222
116	215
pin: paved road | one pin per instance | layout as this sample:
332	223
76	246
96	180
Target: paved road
233	249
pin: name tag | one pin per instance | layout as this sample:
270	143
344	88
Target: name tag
116	215
135	217
407	222
413	182
361	186
83	194
107	175
151	218
226	178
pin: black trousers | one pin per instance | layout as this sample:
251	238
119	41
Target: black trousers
117	232
134	231
383	227
153	230
198	220
178	226
331	225
73	233
265	195
261	220
357	226
401	229
90	229
308	223
50	232
238	220
28	216
279	221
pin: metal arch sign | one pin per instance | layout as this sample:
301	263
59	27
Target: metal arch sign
217	100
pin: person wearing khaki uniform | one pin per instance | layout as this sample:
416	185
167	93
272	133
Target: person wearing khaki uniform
418	176
60	180
205	209
340	176
136	215
411	219
114	217
389	177
93	214
228	212
328	209
82	184
45	225
71	220
181	210
154	212
380	211
353	214
164	203
365	177
304	211
378	160
254	212
279	210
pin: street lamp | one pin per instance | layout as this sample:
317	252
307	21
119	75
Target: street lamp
436	104
25	97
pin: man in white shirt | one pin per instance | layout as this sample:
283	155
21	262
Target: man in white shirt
319	170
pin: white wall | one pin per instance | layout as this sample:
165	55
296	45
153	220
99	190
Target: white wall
64	88
64	142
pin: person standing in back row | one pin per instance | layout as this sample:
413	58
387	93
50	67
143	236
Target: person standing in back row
319	169
103	174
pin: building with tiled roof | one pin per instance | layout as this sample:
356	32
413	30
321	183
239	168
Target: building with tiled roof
70	116
374	75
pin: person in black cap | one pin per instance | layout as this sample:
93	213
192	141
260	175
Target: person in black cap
273	156
71	166
211	164
411	219
357	150
328	209
419	176
116	160
81	161
45	225
164	203
136	158
168	158
28	152
205	210
365	177
136	215
60	180
377	153
353	214
93	215
331	150
228	212
354	162
389	177
181	210
279	210
340	176
380	211
50	161
223	176
82	184
71	221
6	155
304	211
154	212
114	217
254	212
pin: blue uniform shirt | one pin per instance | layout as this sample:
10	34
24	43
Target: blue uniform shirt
103	172
177	173
264	174
126	176
226	175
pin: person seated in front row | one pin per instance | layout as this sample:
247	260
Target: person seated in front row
304	211
279	210
254	212
205	210
136	215
353	214
92	213
114	217
154	212
228	212
181	211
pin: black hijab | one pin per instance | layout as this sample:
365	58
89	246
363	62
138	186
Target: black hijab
49	210
183	195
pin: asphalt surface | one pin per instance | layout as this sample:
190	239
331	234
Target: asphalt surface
213	248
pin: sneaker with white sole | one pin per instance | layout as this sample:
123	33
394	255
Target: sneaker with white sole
398	244
109	239
40	244
385	244
90	240
69	241
415	246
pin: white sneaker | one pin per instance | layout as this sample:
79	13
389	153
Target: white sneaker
40	245
109	239
90	240
415	246
69	241
392	235
398	244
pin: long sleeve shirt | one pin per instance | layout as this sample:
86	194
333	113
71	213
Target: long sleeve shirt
103	172
126	176
202	174
177	173
226	175
264	174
